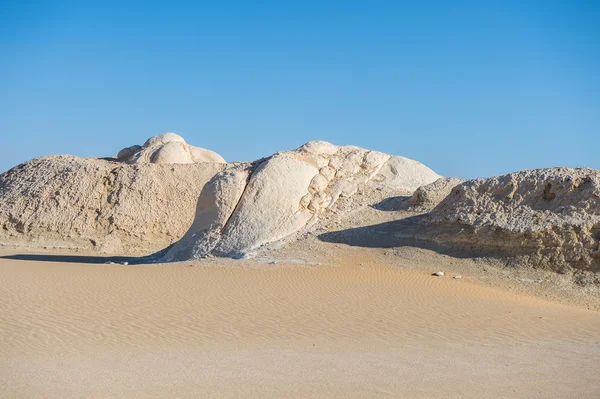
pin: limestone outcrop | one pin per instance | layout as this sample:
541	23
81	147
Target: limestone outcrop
167	148
547	218
70	202
283	194
147	199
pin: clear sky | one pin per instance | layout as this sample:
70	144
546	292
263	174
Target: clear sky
470	88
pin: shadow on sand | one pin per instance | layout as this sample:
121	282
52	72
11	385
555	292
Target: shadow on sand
72	258
392	204
409	232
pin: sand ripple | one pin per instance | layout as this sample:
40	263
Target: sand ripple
63	310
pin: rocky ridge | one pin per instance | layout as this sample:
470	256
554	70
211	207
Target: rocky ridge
132	205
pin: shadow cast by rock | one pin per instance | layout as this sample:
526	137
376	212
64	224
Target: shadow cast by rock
73	258
413	231
391	204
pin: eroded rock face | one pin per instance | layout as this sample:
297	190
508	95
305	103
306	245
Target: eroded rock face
403	173
167	148
71	202
269	208
548	218
148	200
430	195
286	192
217	202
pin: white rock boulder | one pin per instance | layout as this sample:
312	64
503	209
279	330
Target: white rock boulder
403	173
167	148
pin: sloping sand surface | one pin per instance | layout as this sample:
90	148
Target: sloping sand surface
223	328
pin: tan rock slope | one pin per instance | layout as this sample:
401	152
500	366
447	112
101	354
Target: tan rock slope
252	205
547	218
73	202
141	203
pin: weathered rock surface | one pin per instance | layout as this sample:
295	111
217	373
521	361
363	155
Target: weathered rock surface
218	200
546	218
400	173
287	192
167	148
72	202
149	199
428	196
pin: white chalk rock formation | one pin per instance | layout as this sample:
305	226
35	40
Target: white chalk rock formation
70	202
403	173
147	200
167	148
279	196
546	218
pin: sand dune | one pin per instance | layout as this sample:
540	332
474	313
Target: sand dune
348	327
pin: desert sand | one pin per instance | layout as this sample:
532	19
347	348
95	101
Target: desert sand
340	322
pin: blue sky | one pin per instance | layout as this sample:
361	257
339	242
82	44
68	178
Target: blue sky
470	88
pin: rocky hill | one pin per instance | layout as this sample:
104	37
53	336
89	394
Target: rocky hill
143	200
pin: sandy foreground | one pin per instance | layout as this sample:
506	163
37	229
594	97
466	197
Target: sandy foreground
354	327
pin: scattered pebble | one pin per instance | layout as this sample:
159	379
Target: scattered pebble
109	263
125	263
457	276
439	274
